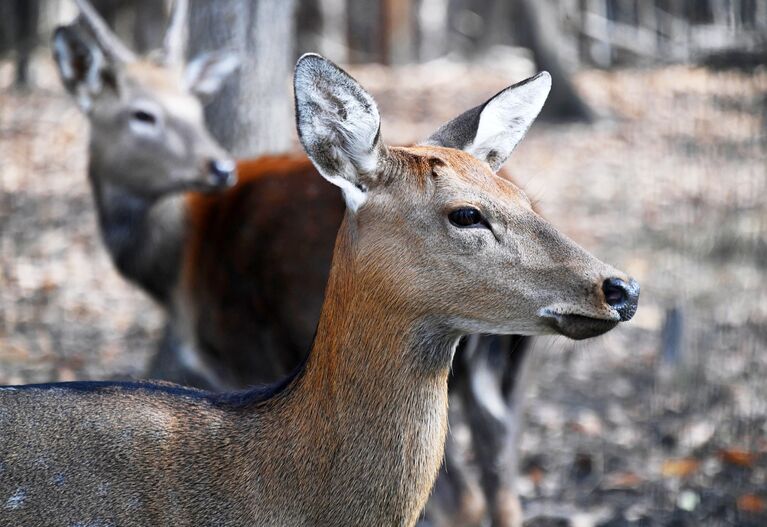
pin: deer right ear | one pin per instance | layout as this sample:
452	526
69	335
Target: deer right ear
83	68
339	127
205	75
491	131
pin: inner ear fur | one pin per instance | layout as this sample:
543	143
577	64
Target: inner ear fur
339	127
84	69
493	129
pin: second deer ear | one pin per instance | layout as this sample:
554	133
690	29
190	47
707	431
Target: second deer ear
491	131
205	75
84	69
339	127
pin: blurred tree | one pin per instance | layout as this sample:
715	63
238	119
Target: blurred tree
18	32
310	24
253	113
321	27
398	17
533	24
433	16
364	30
147	19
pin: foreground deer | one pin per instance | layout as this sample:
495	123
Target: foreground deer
241	272
433	246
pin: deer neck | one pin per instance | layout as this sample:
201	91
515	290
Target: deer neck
144	236
370	402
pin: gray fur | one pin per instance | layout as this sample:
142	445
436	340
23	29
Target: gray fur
140	170
459	132
144	236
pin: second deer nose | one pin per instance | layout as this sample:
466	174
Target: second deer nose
623	296
223	172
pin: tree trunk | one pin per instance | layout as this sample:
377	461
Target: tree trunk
18	33
398	17
253	112
433	29
321	27
149	21
535	27
364	31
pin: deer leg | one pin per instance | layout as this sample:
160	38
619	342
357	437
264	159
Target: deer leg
456	500
493	407
28	15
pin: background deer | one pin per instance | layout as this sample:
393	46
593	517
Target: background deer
241	272
433	247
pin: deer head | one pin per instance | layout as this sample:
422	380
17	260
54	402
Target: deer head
436	233
148	133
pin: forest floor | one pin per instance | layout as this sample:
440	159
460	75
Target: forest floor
663	421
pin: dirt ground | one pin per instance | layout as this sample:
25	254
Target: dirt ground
661	422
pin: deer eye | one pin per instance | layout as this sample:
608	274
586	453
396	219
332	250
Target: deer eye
467	217
144	117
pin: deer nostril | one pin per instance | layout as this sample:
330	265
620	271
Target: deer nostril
616	291
623	296
222	171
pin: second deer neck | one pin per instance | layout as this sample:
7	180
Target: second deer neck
144	236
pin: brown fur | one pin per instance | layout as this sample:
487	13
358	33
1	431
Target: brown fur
255	266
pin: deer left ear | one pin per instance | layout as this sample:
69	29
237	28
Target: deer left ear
491	131
205	75
83	67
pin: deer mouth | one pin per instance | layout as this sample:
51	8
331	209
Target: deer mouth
577	326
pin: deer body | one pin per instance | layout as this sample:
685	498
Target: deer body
144	237
337	446
257	285
347	441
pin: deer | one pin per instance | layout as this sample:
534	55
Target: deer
242	286
434	246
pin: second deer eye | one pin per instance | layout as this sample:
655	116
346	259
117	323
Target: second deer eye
144	117
467	217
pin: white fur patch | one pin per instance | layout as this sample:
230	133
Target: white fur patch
562	309
17	499
505	119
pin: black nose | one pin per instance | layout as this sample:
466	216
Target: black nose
222	172
624	297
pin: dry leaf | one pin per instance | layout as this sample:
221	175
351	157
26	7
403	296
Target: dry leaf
751	503
679	468
741	458
536	475
622	480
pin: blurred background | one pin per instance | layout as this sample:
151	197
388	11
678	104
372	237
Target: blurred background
651	153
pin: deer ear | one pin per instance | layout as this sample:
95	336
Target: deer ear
491	131
339	127
205	75
83	67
